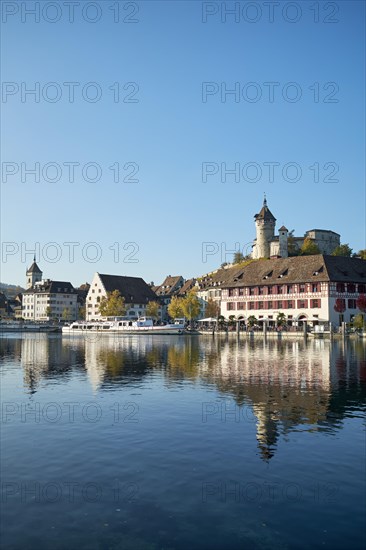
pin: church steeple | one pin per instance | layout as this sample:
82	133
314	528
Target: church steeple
34	274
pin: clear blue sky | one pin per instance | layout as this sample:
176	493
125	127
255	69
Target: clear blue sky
170	132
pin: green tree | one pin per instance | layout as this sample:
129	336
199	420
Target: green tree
112	305
361	304
222	321
309	247
152	310
252	320
281	319
358	321
82	311
212	308
292	248
191	306
175	308
232	321
238	257
48	311
342	250
66	314
362	253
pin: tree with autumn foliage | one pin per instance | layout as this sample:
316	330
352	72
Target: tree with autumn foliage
343	250
191	306
361	305
340	307
358	322
152	310
212	308
309	248
175	308
112	305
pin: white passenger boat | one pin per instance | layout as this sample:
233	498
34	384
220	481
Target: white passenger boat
143	325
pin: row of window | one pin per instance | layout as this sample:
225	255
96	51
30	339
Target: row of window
44	299
293	288
52	302
275	304
352	304
351	288
131	313
98	300
274	289
285	304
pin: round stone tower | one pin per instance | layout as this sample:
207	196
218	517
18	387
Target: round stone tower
34	274
265	224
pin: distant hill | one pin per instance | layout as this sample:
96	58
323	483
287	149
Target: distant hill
11	290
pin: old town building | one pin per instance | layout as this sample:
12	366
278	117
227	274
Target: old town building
136	293
45	299
304	288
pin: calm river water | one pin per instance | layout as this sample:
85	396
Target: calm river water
182	442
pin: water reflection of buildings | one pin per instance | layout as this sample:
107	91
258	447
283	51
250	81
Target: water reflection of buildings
111	360
42	357
290	385
287	385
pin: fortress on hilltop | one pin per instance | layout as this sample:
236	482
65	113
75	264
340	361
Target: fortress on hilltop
267	244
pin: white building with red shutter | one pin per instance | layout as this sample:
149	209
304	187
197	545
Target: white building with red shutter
304	288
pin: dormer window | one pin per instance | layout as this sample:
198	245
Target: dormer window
283	274
268	275
320	270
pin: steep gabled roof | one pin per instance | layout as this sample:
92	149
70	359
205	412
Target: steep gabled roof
169	285
300	269
219	278
343	269
133	289
188	285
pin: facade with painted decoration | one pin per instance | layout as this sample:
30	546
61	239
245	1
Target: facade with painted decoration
304	288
